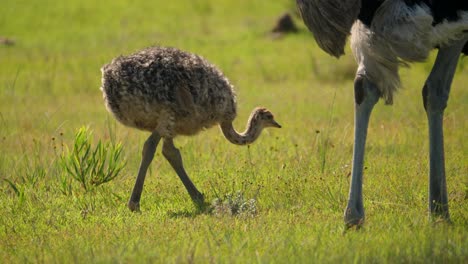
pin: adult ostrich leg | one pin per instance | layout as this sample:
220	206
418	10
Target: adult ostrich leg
384	35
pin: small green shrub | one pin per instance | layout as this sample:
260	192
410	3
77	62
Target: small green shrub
92	166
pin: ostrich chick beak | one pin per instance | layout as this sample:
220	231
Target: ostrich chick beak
275	124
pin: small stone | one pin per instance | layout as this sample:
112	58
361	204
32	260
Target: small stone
6	41
285	24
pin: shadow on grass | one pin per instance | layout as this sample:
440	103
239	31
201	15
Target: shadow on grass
203	208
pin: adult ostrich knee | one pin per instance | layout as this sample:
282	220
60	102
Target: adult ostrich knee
384	35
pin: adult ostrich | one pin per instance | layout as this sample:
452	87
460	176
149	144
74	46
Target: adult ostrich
384	35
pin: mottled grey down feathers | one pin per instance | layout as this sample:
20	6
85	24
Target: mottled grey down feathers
155	87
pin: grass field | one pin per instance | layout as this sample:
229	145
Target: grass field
298	175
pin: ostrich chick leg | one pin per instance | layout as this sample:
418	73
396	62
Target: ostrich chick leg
366	96
147	156
172	154
435	95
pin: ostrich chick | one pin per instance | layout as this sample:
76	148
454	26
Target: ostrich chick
169	92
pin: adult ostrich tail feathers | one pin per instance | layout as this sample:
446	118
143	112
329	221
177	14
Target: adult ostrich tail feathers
330	21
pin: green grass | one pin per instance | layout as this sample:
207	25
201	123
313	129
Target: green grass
298	175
